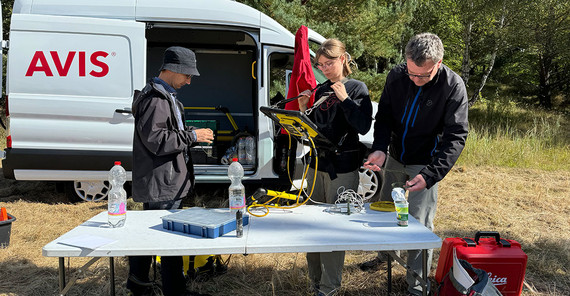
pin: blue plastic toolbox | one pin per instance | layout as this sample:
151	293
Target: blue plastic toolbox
210	223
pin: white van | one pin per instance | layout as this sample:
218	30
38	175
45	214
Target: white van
73	67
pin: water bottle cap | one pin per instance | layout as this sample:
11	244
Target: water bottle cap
117	163
234	159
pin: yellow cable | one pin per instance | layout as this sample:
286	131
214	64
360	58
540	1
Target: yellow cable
266	204
288	159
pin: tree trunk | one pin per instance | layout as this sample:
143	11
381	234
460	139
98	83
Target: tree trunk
465	67
477	93
544	87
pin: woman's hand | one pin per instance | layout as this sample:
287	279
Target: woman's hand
340	90
304	99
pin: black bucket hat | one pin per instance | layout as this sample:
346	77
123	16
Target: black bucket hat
180	60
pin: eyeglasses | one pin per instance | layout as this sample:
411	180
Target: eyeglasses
420	76
327	64
188	76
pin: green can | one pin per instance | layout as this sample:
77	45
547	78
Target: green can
402	213
403	220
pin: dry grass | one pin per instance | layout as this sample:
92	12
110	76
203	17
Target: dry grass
530	206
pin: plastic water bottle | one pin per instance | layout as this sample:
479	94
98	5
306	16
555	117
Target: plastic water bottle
117	197
236	189
401	205
241	151
250	150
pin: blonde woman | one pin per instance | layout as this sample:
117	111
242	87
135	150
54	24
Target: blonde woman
341	111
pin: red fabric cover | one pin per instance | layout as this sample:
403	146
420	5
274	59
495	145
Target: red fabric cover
302	77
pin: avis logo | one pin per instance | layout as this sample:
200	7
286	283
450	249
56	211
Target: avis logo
497	281
39	63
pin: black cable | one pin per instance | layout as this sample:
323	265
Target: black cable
282	102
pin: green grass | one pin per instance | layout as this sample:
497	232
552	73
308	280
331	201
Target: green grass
506	135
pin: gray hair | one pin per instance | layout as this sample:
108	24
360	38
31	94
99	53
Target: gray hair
424	46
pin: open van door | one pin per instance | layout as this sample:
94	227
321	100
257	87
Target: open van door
71	85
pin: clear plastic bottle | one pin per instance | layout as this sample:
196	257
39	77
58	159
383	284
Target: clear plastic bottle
236	190
250	150
241	150
117	197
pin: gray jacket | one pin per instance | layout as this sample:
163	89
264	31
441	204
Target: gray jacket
162	166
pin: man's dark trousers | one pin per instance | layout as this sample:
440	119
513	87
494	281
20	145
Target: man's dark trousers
173	281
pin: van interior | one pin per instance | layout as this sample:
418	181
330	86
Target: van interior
223	97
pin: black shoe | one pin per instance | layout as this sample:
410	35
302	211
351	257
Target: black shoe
316	289
372	265
149	291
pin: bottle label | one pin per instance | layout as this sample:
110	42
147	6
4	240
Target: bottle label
402	213
117	209
402	219
237	199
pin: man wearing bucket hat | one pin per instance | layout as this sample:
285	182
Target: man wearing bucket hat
163	172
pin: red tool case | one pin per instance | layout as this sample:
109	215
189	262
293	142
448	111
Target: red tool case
502	259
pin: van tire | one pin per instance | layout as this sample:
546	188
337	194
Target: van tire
370	184
78	191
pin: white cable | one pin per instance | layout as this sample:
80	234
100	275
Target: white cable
348	202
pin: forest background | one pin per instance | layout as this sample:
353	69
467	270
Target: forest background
515	50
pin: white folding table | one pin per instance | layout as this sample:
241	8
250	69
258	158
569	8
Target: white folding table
308	228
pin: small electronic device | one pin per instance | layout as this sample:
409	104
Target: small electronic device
299	126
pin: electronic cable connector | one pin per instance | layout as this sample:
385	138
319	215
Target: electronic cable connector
348	202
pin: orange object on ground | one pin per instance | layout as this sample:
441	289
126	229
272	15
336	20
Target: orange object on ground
3	214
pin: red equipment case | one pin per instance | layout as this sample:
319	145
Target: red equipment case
503	260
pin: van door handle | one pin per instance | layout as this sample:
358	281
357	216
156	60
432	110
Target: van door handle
124	111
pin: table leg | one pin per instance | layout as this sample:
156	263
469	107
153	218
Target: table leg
425	272
77	274
422	279
112	276
61	273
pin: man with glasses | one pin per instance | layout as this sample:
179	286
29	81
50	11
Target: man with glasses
163	172
419	133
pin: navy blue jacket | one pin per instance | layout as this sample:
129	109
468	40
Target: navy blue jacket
423	125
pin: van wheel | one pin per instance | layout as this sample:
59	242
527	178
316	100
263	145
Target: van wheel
96	190
370	183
